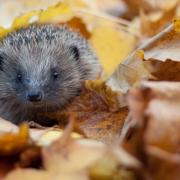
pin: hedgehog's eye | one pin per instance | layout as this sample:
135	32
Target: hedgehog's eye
75	51
55	75
19	77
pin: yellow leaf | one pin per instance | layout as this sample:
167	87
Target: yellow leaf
24	20
50	136
53	13
111	46
3	31
176	24
58	13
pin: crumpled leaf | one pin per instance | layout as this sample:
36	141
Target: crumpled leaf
162	53
16	148
150	61
164	45
134	7
147	6
68	164
23	148
159	20
152	129
165	71
130	73
98	112
67	158
107	168
12	143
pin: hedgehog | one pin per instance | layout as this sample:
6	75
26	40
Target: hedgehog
42	68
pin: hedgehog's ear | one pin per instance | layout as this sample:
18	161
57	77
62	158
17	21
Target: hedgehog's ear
75	51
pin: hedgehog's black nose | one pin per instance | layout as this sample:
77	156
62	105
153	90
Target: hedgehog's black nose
34	97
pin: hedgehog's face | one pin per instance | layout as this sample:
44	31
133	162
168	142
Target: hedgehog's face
43	78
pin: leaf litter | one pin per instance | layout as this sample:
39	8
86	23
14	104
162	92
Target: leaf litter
125	124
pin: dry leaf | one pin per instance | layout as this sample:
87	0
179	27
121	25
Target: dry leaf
164	47
130	73
77	24
152	133
165	71
158	20
133	7
112	46
98	112
163	54
17	149
75	159
12	143
151	129
147	6
7	126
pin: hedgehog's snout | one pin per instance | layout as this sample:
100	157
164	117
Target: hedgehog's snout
34	96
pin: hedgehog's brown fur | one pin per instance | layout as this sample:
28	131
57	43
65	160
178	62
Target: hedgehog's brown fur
28	59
